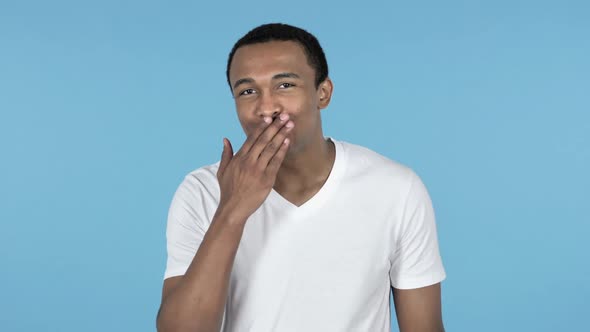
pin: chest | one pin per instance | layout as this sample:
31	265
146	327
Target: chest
343	253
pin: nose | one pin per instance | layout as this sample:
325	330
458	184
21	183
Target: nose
268	106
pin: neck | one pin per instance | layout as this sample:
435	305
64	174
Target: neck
308	167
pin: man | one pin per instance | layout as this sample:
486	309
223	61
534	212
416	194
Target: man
296	231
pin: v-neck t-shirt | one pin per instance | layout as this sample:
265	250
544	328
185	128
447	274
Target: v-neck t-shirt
328	264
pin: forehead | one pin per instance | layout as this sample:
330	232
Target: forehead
269	58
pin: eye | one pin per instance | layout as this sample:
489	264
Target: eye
286	85
246	92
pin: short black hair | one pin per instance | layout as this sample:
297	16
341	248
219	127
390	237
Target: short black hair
284	32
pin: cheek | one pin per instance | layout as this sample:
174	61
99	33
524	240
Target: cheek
249	124
243	114
247	117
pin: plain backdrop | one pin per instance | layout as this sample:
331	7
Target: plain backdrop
106	105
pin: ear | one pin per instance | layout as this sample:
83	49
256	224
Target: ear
325	93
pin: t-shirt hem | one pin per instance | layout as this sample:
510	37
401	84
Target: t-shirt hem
174	273
420	282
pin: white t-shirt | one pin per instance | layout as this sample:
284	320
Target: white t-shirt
324	266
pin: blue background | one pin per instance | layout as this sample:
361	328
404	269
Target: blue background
105	106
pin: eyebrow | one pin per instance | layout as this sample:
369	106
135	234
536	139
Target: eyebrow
243	81
285	75
277	76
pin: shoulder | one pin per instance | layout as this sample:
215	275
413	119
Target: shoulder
199	183
196	198
363	162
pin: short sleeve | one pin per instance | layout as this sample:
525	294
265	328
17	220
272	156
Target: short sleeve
185	228
416	260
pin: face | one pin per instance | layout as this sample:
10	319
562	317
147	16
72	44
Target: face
275	77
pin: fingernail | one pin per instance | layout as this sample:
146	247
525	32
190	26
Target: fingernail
267	119
289	124
284	116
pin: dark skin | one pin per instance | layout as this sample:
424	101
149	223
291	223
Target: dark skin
289	155
275	78
419	310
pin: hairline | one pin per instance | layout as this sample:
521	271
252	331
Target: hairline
306	52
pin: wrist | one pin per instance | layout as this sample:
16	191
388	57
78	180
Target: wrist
230	215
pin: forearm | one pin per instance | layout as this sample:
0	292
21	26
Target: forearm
197	302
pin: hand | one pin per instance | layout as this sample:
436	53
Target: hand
246	178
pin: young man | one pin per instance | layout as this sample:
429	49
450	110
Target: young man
296	231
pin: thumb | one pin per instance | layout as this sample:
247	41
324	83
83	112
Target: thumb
226	155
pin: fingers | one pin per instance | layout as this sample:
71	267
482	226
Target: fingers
251	139
275	163
267	136
274	145
226	156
